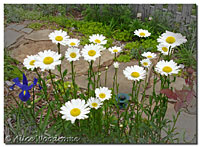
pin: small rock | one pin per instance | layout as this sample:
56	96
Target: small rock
8	83
11	26
10	37
27	30
39	35
19	27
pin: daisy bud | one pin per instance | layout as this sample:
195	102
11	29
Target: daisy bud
116	64
181	66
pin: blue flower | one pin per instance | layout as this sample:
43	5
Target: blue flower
24	95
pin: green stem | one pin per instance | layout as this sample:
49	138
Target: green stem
60	71
98	79
73	80
115	58
33	101
58	48
137	116
55	89
106	74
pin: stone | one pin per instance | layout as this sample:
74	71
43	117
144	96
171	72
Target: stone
178	84
19	27
185	123
39	35
11	26
10	37
8	83
27	30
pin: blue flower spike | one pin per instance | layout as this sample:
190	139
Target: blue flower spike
24	95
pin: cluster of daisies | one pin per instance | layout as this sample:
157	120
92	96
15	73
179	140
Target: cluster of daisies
79	109
167	42
47	60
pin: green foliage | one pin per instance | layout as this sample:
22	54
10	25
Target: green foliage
187	53
15	13
61	20
122	35
124	58
162	21
11	71
84	40
109	43
115	16
149	44
89	28
186	56
35	26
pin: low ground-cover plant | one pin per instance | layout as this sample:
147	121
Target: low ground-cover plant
11	70
94	115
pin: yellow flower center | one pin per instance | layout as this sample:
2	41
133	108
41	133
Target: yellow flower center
135	74
170	39
92	53
94	104
24	92
115	50
48	60
167	69
73	55
97	41
32	62
142	34
59	38
75	112
72	43
165	49
149	56
145	63
102	95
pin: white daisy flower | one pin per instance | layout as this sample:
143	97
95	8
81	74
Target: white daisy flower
94	103
72	54
59	37
134	73
73	42
75	109
90	52
163	48
167	67
116	65
115	49
47	60
103	93
142	33
97	39
29	62
145	63
172	39
149	55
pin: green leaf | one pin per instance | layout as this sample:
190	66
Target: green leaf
45	123
65	73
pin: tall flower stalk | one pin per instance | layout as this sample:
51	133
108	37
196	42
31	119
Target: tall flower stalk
73	80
